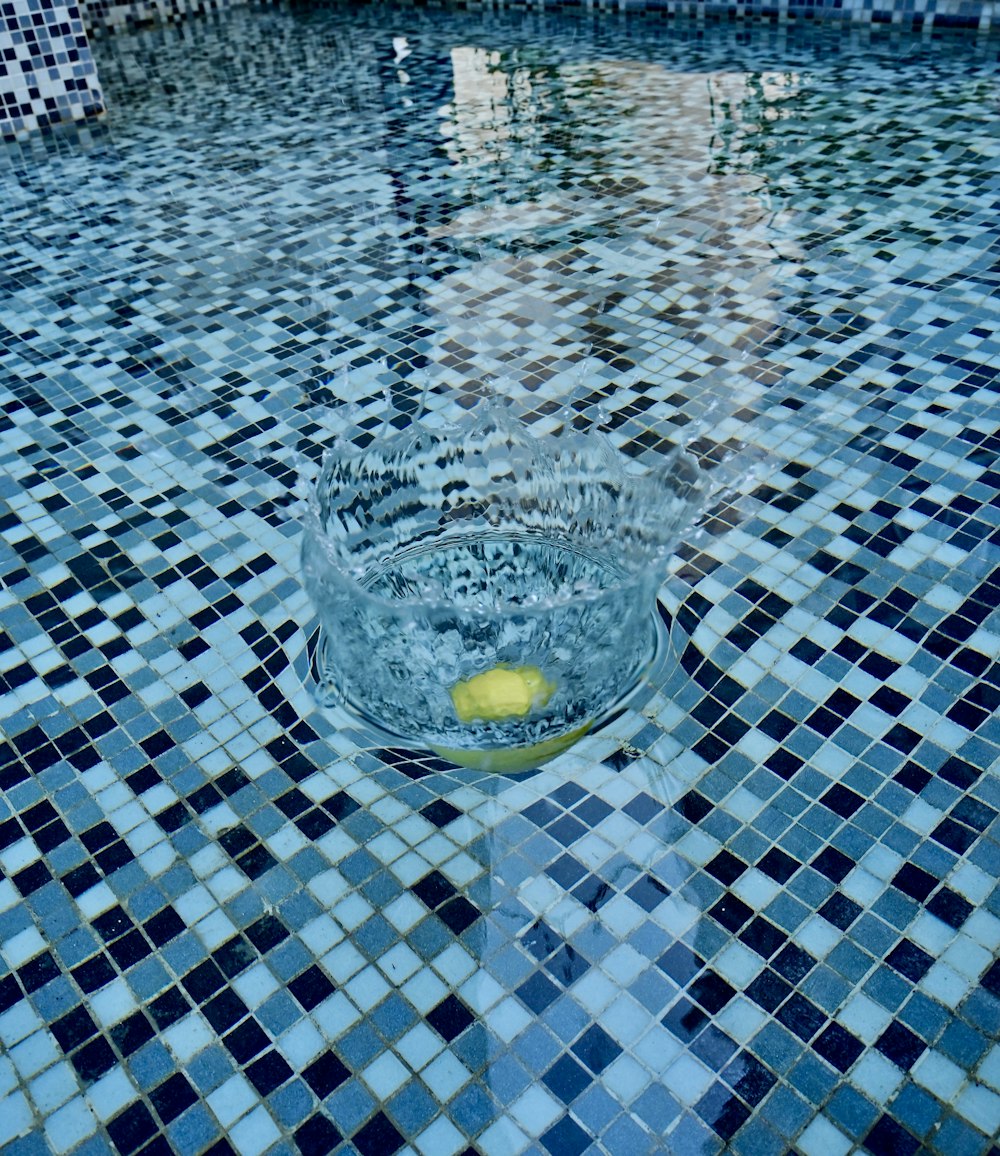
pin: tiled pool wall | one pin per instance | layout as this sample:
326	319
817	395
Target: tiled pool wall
48	74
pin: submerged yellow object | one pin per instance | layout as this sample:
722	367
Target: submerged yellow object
501	693
512	759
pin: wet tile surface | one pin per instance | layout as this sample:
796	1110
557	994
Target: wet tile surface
759	914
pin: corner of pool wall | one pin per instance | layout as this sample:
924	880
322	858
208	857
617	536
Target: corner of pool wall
51	78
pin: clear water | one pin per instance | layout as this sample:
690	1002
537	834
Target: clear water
447	610
487	571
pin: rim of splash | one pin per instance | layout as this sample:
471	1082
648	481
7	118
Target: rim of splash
548	463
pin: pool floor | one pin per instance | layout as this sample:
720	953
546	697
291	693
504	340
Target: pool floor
758	913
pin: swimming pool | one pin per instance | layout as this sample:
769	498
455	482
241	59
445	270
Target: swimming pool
760	912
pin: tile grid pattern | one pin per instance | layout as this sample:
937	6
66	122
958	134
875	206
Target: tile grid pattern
47	72
762	913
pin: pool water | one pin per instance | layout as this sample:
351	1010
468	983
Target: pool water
758	912
400	665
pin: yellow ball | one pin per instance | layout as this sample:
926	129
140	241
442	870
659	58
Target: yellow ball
501	693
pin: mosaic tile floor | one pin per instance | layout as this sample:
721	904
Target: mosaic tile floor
758	915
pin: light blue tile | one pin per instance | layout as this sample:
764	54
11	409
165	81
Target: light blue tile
350	1106
776	1047
625	1135
278	1013
852	1112
211	1068
472	1109
956	1136
916	1110
292	1103
657	1108
413	1109
193	1130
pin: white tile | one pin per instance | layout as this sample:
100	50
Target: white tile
335	1015
95	900
817	936
862	887
18	1022
67	1126
688	1079
821	1138
188	1036
444	1076
329	886
877	1077
984	929
9	895
352	911
21	947
481	992
113	1002
625	1078
385	1075
945	985
194	905
367	988
424	990
343	961
625	1019
404	912
535	1110
989	1068
226	883
442	1138
461	869
508	1019
34	1054
741	1019
503	1138
454	964
419	1046
232	1100
255	1133
18	856
255	985
864	1018
624	964
215	929
756	889
938	1075
53	1087
594	991
621	916
301	1044
981	1108
968	958
110	1094
320	934
738	964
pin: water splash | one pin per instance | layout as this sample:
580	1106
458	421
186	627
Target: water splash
441	553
